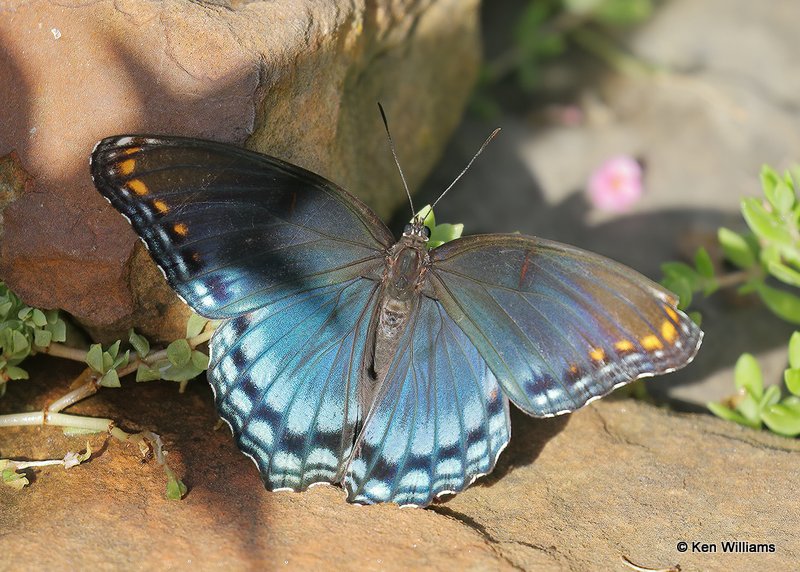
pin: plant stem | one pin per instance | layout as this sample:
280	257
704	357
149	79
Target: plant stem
58	419
82	392
734	278
60	350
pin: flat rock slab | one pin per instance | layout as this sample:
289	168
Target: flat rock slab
619	478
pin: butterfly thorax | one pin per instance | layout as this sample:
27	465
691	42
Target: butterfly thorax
404	277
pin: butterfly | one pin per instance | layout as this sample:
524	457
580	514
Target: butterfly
348	357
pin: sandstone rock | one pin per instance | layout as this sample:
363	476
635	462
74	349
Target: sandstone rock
619	478
296	79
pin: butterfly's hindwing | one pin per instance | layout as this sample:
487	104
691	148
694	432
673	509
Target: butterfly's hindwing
439	422
285	378
559	326
234	230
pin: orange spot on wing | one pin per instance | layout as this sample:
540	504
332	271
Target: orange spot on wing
671	313
125	167
597	354
573	369
181	229
668	331
131	150
624	345
138	187
651	343
161	206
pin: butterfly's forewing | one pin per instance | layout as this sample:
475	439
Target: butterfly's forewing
234	230
559	326
439	422
285	378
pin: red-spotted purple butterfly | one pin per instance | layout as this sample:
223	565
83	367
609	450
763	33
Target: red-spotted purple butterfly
348	357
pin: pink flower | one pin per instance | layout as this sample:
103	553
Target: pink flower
616	185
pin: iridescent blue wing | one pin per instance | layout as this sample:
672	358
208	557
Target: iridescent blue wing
234	230
439	421
285	378
557	325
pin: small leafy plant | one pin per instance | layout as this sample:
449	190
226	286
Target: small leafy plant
754	405
768	254
25	331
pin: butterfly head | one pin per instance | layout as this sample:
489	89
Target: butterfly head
417	231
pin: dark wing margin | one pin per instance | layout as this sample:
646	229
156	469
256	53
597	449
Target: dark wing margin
557	325
439	422
235	230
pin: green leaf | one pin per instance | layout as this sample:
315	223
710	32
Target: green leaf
42	338
146	373
681	288
444	233
14	479
110	379
747	375
794	351
199	360
784	273
792	379
94	357
765	224
771	396
784	198
195	325
113	350
179	352
181	372
430	218
122	360
440	233
20	346
769	178
39	319
783	304
175	488
702	262
769	254
139	343
748	407
782	420
14	372
681	270
730	415
59	330
108	361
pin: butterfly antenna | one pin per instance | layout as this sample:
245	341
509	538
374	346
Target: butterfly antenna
461	174
396	160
